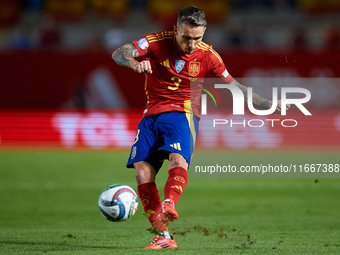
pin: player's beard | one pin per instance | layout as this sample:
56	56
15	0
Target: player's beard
189	51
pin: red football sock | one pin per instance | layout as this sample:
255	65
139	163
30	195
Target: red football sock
176	183
152	203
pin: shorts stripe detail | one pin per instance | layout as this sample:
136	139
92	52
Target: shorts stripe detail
190	118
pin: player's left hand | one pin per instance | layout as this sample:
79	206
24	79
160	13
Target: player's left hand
278	107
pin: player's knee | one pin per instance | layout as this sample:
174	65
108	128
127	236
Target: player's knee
144	173
143	176
176	159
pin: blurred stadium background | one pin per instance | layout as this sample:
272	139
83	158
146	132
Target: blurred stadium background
59	86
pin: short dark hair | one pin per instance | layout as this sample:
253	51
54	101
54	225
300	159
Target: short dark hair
191	16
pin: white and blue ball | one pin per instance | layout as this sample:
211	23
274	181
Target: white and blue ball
118	202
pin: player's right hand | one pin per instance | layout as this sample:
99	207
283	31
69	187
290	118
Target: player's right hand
143	67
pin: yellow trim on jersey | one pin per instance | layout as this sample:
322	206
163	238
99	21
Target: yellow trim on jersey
147	94
187	106
159	39
206	47
160	36
217	55
202	48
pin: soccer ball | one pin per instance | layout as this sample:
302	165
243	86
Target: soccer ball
118	202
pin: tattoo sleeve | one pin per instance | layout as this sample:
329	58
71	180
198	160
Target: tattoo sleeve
125	55
258	101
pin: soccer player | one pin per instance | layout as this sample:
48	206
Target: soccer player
169	127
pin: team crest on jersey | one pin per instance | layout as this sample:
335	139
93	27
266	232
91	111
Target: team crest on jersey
225	73
179	64
194	68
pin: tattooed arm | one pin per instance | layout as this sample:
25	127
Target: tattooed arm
258	101
125	56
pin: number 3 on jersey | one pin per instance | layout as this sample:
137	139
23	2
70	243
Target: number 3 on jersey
176	81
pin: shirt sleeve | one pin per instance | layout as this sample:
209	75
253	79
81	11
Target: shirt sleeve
217	67
143	46
148	46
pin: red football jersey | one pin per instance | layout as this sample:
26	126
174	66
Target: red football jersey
168	87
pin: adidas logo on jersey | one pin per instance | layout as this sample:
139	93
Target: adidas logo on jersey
177	146
177	187
165	63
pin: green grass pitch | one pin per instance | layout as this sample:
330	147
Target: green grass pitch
48	203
